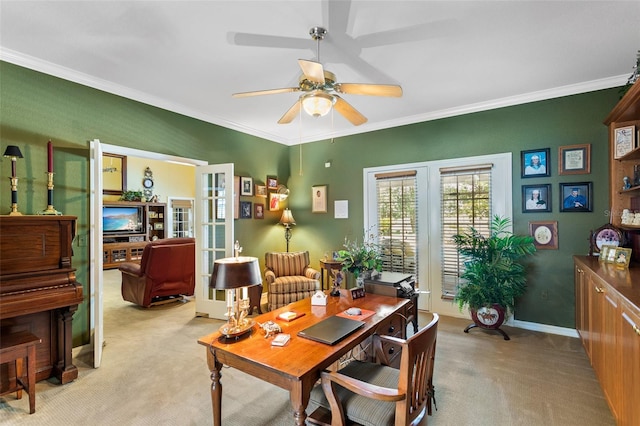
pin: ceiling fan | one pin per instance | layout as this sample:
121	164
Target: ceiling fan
320	90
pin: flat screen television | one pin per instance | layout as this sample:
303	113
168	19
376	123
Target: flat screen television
121	219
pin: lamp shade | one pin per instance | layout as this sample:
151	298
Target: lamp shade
317	103
12	151
235	272
287	218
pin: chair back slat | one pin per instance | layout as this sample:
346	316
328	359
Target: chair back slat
416	372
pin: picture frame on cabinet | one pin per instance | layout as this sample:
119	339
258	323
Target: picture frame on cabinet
245	209
545	234
574	159
535	163
624	141
246	185
576	197
619	256
536	198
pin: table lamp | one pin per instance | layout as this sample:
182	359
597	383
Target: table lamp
236	274
13	152
287	221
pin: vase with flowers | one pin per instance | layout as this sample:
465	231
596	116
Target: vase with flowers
360	258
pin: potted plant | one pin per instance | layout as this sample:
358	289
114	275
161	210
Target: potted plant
360	259
493	277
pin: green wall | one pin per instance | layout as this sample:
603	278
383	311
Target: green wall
35	107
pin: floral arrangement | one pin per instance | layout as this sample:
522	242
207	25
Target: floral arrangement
359	257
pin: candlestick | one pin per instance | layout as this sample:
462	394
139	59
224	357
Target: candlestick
50	209
50	156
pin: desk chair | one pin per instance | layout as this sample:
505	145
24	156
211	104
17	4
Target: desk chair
373	394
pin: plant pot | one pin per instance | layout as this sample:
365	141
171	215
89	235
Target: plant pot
488	317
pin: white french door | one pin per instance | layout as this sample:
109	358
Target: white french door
214	233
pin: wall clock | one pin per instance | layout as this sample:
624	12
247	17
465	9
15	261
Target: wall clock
147	183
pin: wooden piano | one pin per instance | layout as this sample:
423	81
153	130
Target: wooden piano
38	291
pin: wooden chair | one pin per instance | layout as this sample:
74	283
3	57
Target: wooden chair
373	394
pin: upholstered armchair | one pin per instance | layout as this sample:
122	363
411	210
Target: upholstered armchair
375	394
289	278
167	269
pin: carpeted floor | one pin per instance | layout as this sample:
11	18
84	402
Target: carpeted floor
154	373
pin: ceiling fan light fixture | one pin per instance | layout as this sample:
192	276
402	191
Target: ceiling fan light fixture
317	104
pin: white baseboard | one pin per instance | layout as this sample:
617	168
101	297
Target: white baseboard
551	329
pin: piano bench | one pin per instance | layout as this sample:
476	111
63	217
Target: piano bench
15	347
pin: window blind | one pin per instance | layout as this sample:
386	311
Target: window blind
466	202
398	220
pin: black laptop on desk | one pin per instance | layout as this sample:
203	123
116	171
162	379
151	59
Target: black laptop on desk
331	330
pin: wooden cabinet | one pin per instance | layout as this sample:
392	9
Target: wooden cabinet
626	113
608	321
128	246
630	364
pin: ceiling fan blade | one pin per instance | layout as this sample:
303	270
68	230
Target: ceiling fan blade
314	71
265	92
291	114
391	90
349	112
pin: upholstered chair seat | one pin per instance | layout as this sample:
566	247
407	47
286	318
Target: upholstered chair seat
289	278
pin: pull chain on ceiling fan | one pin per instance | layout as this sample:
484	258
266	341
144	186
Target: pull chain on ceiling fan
320	88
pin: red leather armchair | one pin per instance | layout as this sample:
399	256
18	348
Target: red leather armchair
167	268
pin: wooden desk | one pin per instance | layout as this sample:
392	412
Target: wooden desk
296	366
328	266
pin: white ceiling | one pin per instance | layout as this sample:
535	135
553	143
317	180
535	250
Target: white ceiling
450	57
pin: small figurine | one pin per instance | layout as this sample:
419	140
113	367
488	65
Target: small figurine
627	184
270	328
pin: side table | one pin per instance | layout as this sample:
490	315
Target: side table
328	266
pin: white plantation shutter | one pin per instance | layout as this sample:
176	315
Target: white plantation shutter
398	220
466	201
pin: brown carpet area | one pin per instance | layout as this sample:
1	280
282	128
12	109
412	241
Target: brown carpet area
154	373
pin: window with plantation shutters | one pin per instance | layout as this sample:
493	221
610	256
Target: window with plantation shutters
465	201
396	194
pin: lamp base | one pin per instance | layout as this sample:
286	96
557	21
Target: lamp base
233	332
16	213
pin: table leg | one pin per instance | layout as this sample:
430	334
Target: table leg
299	396
216	386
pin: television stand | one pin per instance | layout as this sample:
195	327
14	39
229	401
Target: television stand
123	247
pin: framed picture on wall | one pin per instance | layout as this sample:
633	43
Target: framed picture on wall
576	197
261	191
319	199
114	174
574	159
274	202
245	209
272	182
545	234
536	198
246	183
236	197
258	211
535	163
